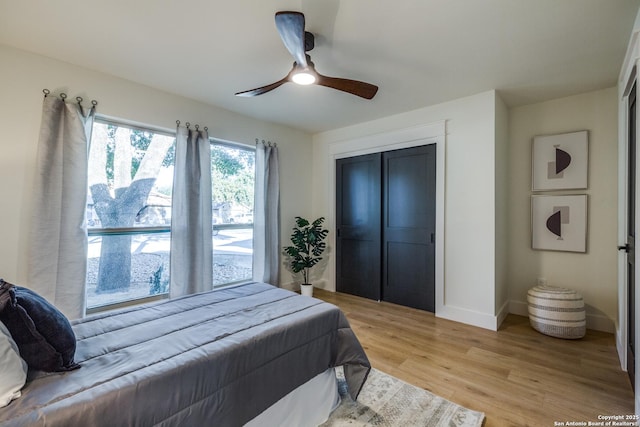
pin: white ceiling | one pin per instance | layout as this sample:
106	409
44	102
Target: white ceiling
419	52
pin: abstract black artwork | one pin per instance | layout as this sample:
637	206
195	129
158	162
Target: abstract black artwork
559	223
559	162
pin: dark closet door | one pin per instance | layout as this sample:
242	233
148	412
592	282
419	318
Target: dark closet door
358	244
409	223
631	241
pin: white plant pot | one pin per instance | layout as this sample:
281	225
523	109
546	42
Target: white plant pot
306	290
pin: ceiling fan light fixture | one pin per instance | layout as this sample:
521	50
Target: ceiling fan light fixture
304	77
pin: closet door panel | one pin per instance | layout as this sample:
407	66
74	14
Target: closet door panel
358	239
408	273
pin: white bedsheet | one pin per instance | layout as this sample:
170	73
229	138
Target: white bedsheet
308	405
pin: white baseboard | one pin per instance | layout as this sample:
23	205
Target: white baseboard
295	287
518	307
502	314
290	286
600	322
622	350
321	284
597	322
469	317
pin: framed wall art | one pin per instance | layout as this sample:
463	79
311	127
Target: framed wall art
559	223
560	162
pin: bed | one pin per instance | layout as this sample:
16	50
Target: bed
222	358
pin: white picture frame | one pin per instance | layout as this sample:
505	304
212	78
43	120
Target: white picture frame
559	223
560	162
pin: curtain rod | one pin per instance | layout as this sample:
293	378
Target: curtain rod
187	124
266	143
63	96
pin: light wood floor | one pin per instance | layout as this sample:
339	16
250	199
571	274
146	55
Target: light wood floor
516	376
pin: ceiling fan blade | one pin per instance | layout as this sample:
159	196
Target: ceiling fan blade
354	87
263	89
291	28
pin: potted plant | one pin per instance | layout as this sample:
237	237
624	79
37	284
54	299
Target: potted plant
308	245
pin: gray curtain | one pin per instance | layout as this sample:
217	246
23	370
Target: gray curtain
191	241
266	217
57	263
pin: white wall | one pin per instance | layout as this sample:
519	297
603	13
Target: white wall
502	209
23	76
470	200
593	274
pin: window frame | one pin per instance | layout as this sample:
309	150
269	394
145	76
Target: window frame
122	231
216	228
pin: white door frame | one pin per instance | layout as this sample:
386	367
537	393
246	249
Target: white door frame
628	76
433	133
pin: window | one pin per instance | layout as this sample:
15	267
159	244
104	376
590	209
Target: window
232	175
129	213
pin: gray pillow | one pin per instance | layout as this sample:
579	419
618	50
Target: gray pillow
43	334
13	370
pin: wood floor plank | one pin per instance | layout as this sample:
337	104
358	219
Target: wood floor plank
516	376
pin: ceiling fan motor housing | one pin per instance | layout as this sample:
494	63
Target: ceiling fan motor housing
309	41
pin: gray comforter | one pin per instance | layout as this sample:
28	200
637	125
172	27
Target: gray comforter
213	359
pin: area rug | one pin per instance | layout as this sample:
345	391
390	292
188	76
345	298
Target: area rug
388	401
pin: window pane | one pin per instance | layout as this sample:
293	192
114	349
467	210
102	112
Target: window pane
232	255
232	174
130	177
130	187
141	261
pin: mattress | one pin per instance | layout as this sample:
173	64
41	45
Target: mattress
215	358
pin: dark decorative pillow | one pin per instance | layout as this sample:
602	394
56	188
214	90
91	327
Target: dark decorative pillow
43	335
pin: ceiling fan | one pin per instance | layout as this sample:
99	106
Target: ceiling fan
298	41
